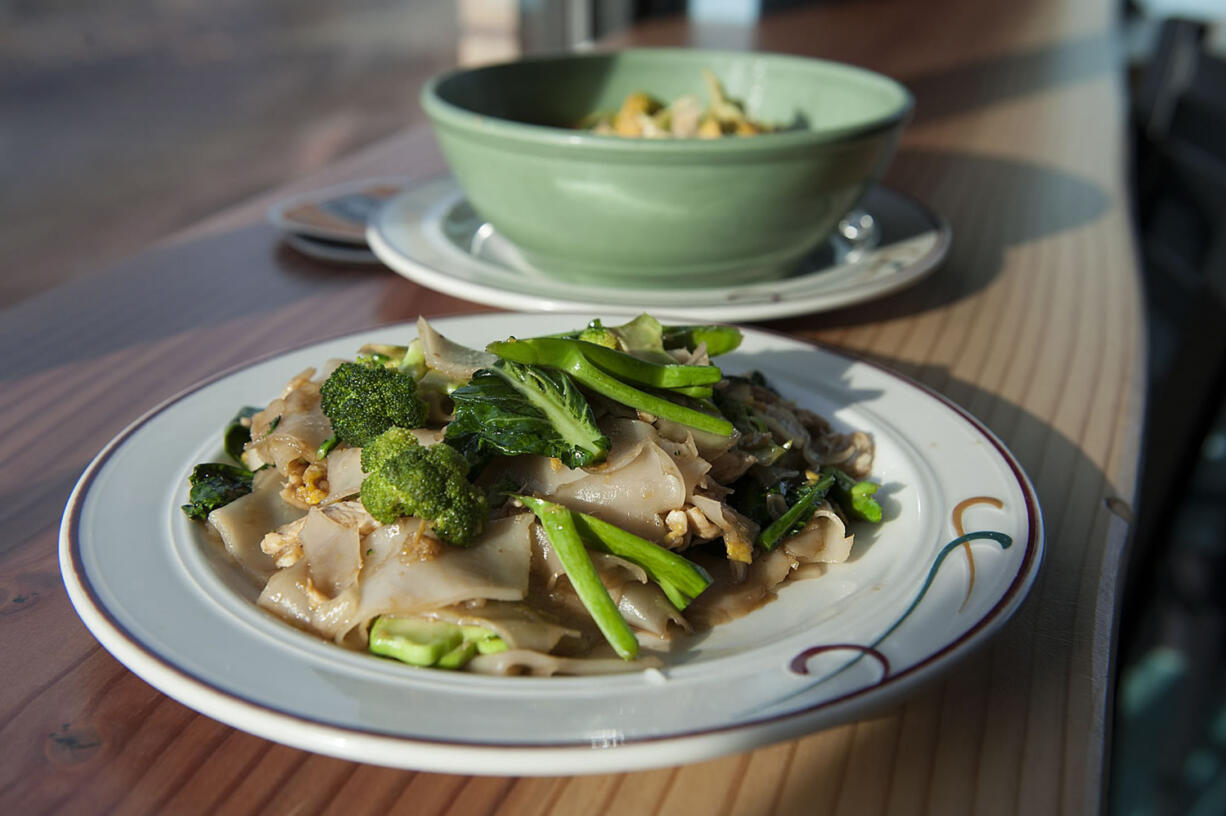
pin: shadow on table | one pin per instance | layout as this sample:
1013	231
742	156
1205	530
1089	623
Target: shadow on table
992	205
1030	658
974	85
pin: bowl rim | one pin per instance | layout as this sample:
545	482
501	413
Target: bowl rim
447	114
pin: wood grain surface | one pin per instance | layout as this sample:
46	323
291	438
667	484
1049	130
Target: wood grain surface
1033	324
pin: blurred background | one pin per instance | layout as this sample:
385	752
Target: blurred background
112	106
1170	715
123	122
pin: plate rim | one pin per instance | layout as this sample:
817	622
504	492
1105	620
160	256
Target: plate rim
364	744
350	254
382	243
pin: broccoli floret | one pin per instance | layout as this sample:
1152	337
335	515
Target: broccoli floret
384	447
363	401
429	482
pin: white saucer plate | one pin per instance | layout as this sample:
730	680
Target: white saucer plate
431	235
338	213
325	250
960	548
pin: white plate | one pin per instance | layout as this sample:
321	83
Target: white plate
430	234
156	593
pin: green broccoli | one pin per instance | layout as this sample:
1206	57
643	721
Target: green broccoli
364	400
429	482
385	446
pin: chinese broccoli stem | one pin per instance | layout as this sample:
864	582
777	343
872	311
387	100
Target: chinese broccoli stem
559	525
569	356
681	579
719	339
628	367
856	498
326	447
695	391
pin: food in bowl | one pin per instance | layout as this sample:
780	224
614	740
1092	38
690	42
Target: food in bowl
664	213
554	505
642	115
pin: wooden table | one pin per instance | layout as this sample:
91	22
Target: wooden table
1034	324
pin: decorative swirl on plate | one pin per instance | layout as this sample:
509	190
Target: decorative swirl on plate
799	664
963	539
959	509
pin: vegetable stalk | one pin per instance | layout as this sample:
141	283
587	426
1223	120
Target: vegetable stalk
571	356
560	527
681	579
798	513
643	372
719	339
856	498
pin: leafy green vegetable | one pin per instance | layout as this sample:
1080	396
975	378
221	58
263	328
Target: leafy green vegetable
429	482
802	503
511	409
363	400
571	356
559	525
750	498
855	499
215	485
238	432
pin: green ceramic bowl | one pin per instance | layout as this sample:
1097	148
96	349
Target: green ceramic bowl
664	212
